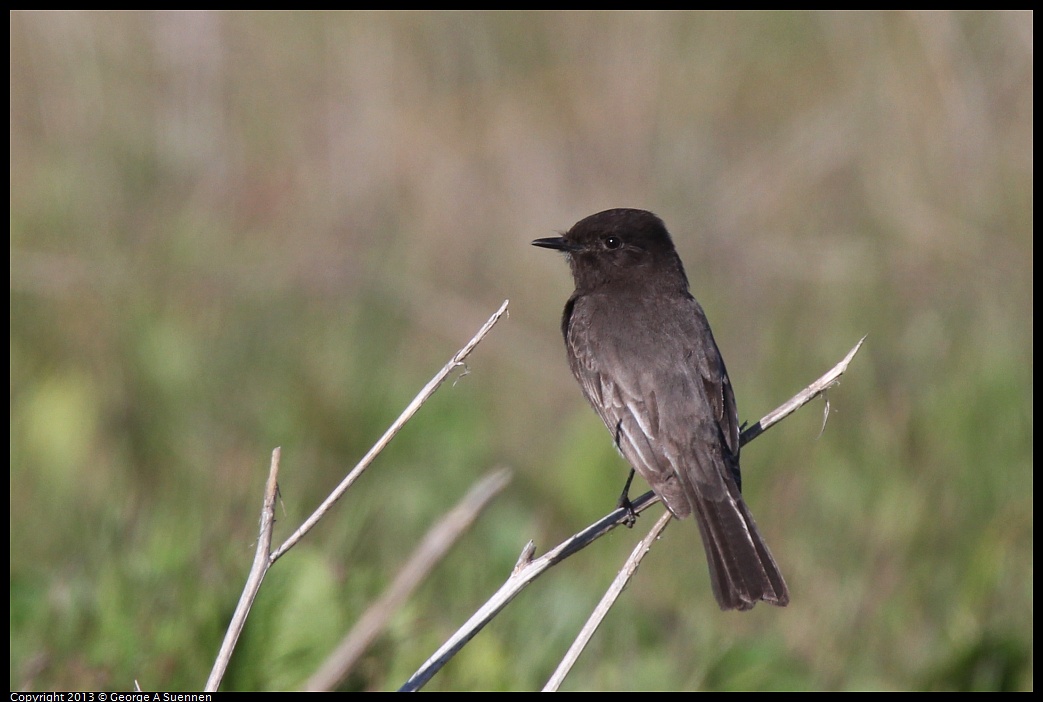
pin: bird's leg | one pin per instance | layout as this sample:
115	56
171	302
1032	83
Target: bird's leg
624	497
625	503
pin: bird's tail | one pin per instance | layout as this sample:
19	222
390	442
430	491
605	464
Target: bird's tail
742	570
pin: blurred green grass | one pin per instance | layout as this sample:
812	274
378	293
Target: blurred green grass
235	231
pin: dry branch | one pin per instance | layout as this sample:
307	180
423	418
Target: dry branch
529	569
265	558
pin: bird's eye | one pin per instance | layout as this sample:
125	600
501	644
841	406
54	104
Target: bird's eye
613	242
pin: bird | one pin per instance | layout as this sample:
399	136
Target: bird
641	349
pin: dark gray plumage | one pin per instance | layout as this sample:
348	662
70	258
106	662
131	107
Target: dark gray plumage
643	353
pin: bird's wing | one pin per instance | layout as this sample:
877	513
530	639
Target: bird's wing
669	405
664	394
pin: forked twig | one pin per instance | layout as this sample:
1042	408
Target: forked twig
265	558
253	581
831	378
456	361
529	569
609	599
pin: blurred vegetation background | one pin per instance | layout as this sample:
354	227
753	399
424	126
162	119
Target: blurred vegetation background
236	231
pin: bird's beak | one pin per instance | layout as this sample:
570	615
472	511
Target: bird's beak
558	243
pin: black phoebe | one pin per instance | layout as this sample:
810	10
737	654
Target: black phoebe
642	350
